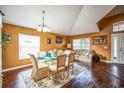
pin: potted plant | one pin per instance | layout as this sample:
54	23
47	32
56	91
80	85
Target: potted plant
5	40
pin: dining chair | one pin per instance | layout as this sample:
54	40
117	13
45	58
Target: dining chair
69	63
39	70
59	67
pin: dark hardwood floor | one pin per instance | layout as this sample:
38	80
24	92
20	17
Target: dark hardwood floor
95	75
12	79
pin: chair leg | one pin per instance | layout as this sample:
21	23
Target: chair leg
49	74
63	74
72	69
68	70
57	76
54	76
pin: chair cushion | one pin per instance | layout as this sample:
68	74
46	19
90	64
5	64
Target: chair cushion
55	53
42	65
53	68
60	52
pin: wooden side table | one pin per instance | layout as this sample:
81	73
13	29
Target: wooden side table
95	58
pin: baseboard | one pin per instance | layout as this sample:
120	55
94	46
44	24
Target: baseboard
14	68
107	61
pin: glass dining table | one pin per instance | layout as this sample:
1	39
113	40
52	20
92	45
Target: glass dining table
48	60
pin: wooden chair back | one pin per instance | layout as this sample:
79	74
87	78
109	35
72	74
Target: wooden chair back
71	58
61	61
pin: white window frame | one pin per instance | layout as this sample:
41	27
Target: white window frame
86	47
28	44
80	45
118	27
76	44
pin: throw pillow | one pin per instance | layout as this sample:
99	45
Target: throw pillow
48	54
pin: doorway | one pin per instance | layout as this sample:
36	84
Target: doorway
118	48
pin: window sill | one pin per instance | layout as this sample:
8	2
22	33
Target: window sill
24	59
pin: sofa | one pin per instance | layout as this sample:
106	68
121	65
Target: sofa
83	55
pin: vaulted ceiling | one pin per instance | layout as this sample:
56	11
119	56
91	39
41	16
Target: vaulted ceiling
119	9
62	19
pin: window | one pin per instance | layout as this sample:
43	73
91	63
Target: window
118	27
28	44
81	44
77	44
86	43
115	46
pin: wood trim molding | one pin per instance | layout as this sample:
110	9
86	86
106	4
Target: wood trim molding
106	61
14	68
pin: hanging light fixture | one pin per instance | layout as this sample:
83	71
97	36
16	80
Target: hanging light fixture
43	27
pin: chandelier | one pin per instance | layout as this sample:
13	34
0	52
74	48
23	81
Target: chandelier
43	27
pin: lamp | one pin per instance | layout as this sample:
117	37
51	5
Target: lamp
68	45
43	27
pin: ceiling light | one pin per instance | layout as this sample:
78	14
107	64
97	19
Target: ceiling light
39	29
43	27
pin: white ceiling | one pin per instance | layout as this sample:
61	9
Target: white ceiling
88	18
62	19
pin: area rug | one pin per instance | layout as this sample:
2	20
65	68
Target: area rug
49	83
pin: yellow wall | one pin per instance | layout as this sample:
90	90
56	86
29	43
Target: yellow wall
10	58
11	51
98	48
106	30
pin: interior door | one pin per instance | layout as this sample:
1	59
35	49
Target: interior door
121	48
118	48
115	48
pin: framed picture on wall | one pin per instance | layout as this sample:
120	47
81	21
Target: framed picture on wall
48	40
6	38
59	39
99	40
